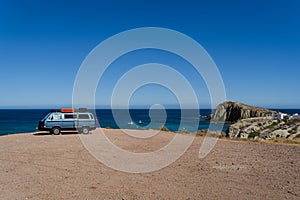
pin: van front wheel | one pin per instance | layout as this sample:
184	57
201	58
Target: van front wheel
85	130
55	131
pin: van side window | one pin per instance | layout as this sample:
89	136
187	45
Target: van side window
84	116
55	117
70	116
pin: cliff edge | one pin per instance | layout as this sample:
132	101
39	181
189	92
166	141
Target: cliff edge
233	111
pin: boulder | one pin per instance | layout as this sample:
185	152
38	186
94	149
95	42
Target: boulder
293	136
279	134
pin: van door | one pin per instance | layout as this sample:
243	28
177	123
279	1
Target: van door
69	120
55	119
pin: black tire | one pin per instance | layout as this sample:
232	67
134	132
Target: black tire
85	130
55	130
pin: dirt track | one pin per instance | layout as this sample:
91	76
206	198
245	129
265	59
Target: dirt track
59	167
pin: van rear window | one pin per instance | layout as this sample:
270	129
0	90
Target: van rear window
84	116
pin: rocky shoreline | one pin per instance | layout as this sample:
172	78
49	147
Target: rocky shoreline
264	128
250	122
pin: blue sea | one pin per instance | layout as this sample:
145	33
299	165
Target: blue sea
26	120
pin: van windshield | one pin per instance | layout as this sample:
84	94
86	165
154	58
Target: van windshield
46	117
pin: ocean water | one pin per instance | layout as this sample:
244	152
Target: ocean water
26	120
173	119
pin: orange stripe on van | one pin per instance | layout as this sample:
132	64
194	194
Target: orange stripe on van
67	110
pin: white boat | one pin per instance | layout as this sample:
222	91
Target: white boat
140	122
130	123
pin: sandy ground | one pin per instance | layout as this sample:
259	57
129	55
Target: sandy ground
41	166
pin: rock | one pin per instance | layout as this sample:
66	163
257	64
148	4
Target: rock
233	111
254	122
215	134
208	117
293	136
244	135
251	127
279	134
263	128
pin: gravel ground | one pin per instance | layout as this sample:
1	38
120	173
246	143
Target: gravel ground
42	166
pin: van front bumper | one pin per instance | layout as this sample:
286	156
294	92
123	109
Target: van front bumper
42	127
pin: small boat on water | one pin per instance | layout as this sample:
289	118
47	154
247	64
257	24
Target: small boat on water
130	123
140	122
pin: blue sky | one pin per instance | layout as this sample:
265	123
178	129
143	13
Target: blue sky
255	44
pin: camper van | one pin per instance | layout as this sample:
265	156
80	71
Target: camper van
68	119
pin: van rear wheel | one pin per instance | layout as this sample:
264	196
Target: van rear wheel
55	130
85	130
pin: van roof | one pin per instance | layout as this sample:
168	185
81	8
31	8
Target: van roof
70	110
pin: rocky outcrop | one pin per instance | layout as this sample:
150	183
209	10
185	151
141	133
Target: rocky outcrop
254	122
234	111
264	128
247	128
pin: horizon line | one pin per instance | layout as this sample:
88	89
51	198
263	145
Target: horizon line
46	107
